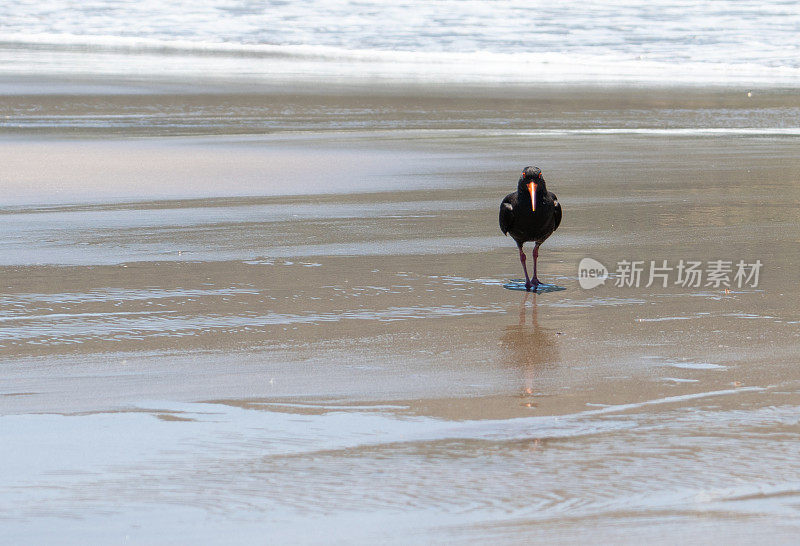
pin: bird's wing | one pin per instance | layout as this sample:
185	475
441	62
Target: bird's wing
556	212
506	215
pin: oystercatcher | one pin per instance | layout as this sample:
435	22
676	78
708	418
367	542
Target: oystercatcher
530	214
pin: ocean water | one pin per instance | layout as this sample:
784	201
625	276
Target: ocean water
669	41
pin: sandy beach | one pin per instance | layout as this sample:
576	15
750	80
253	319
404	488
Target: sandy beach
251	315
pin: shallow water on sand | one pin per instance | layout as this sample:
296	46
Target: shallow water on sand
349	365
540	288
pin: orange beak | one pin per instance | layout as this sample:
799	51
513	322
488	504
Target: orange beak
533	195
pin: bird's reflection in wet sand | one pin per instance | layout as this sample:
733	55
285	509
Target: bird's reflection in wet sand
528	346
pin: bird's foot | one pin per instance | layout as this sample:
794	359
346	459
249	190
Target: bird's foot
532	284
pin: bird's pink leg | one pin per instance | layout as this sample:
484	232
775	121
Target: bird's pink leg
535	279
523	259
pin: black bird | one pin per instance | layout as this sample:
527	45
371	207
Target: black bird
527	219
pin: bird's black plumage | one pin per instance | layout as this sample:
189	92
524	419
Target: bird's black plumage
517	217
526	222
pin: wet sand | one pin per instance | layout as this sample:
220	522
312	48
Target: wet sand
301	334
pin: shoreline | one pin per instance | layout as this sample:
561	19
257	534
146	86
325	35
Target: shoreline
21	83
75	109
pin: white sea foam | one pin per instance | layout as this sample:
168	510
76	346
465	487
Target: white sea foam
457	41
